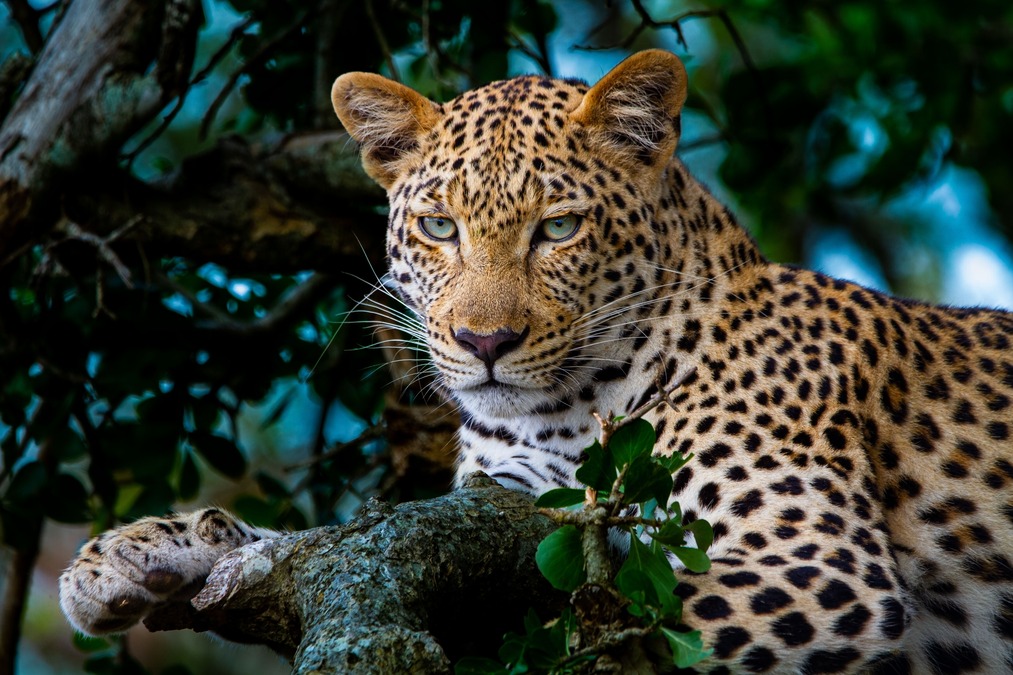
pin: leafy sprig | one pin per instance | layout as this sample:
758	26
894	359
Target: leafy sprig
626	489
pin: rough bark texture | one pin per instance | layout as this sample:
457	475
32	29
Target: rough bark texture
392	592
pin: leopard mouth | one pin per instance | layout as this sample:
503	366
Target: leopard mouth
491	385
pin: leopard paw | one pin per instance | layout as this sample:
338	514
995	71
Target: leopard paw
121	575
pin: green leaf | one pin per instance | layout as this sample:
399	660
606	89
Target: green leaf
512	651
597	470
670	533
542	647
687	648
560	498
631	441
694	559
703	533
221	453
656	566
27	483
653	563
67	444
637	586
646	479
532	623
674	462
561	559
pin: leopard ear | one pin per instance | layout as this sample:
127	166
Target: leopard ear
635	108
386	118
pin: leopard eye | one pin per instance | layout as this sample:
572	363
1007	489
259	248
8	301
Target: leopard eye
560	228
438	227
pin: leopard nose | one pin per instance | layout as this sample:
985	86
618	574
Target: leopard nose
490	346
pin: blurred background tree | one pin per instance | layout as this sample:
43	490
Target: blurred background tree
183	228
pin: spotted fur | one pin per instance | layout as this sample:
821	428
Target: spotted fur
852	449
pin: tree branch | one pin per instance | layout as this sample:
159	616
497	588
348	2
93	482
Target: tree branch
375	595
305	204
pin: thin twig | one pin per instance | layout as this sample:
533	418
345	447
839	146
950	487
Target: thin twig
153	136
427	45
237	32
369	434
179	27
254	60
538	57
609	426
202	307
747	60
288	309
100	305
664	392
615	500
103	245
609	641
675	24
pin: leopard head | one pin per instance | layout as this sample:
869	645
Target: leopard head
522	222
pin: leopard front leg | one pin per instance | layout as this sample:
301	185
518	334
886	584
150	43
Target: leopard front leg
121	575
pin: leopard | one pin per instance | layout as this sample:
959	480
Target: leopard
851	449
